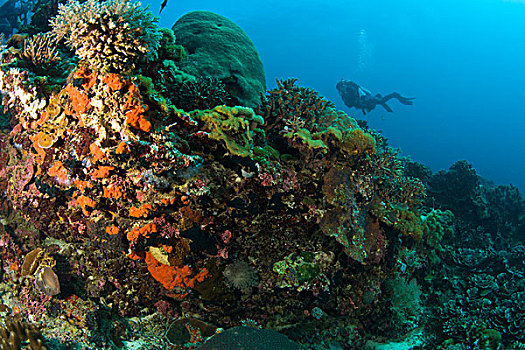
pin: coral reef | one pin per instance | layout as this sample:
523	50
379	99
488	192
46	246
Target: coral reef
131	208
184	199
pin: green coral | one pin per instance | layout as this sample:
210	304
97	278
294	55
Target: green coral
146	83
312	123
485	338
437	224
299	270
263	153
357	141
233	126
401	218
304	137
167	47
344	135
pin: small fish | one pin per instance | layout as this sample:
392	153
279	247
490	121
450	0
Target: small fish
163	5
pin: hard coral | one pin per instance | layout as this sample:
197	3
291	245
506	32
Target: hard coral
238	338
112	35
310	123
16	331
294	106
233	126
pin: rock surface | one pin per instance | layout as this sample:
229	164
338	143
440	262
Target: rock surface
248	338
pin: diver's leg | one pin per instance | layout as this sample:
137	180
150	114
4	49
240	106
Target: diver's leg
385	106
401	99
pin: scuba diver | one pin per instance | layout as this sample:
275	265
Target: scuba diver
358	97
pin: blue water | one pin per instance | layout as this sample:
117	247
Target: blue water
462	60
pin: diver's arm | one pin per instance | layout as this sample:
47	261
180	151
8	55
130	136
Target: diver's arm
385	106
363	91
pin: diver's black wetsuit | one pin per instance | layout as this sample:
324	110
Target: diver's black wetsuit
358	97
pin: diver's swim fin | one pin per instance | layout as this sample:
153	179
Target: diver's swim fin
406	100
163	5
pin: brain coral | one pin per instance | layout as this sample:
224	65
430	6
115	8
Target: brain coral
219	48
111	35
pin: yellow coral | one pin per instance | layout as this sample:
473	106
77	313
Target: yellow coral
357	141
232	125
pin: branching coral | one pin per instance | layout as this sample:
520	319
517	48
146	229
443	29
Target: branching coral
111	35
41	50
16	331
310	123
294	106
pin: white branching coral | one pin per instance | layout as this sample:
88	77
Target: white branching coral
113	35
21	94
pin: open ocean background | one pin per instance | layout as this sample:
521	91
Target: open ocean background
462	60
